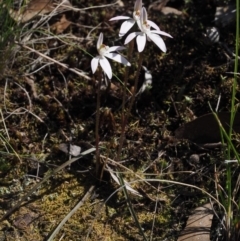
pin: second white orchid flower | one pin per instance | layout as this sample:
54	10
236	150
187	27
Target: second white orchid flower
126	25
147	34
106	51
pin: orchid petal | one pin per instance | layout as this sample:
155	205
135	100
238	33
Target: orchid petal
115	48
153	25
131	36
118	58
100	40
138	5
106	67
144	16
137	10
158	41
141	42
161	32
126	25
94	64
119	18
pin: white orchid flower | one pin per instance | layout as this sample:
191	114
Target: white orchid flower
105	51
147	34
128	24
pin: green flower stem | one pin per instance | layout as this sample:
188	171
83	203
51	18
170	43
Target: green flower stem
140	60
123	117
230	149
98	161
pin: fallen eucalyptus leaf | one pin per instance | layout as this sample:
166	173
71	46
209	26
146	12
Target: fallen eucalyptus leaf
61	25
205	129
169	10
198	225
37	8
161	6
158	5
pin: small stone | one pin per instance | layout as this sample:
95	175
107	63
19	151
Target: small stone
194	160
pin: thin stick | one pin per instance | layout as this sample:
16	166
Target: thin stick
93	7
54	61
5	127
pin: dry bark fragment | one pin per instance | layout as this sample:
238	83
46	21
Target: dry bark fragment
198	225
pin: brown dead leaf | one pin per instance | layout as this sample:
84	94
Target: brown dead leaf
158	5
36	8
31	83
61	25
198	225
205	129
169	10
161	6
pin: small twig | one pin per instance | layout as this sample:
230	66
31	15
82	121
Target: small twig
17	111
4	124
4	99
31	83
174	106
54	61
93	7
3	139
35	71
29	100
65	81
61	105
88	36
